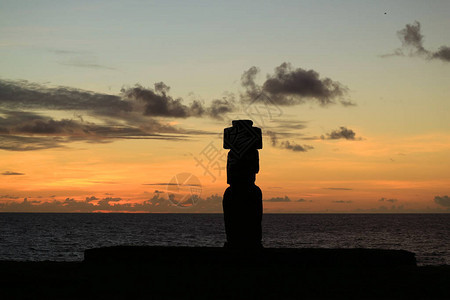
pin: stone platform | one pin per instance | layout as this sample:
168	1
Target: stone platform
263	257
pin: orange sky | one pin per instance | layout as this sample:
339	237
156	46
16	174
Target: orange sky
104	111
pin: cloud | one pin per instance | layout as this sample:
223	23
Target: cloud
289	124
413	41
28	110
25	95
442	200
140	100
341	133
8	197
388	200
26	122
92	198
23	131
289	86
81	59
411	37
158	103
105	201
248	82
295	147
23	143
302	200
342	201
273	137
287	144
278	199
220	107
338	189
157	203
443	54
8	173
85	64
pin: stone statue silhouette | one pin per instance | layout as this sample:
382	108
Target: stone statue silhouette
242	200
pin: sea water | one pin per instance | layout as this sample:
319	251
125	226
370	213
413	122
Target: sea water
64	236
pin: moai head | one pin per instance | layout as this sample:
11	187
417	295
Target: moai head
242	137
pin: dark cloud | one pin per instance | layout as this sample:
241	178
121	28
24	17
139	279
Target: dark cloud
442	200
25	95
411	37
443	54
295	147
413	41
248	82
289	86
23	131
220	107
341	133
12	173
25	124
158	103
388	200
287	144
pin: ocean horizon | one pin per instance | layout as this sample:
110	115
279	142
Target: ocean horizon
65	236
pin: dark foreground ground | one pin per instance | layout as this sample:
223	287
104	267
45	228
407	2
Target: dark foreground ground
218	273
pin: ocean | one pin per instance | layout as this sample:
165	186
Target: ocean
64	236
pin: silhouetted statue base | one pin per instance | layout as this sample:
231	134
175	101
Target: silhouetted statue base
242	208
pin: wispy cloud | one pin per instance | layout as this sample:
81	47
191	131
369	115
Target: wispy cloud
131	115
286	144
9	173
413	43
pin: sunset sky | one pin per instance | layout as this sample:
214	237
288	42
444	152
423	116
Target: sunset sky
115	105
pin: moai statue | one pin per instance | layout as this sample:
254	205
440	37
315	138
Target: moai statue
242	200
